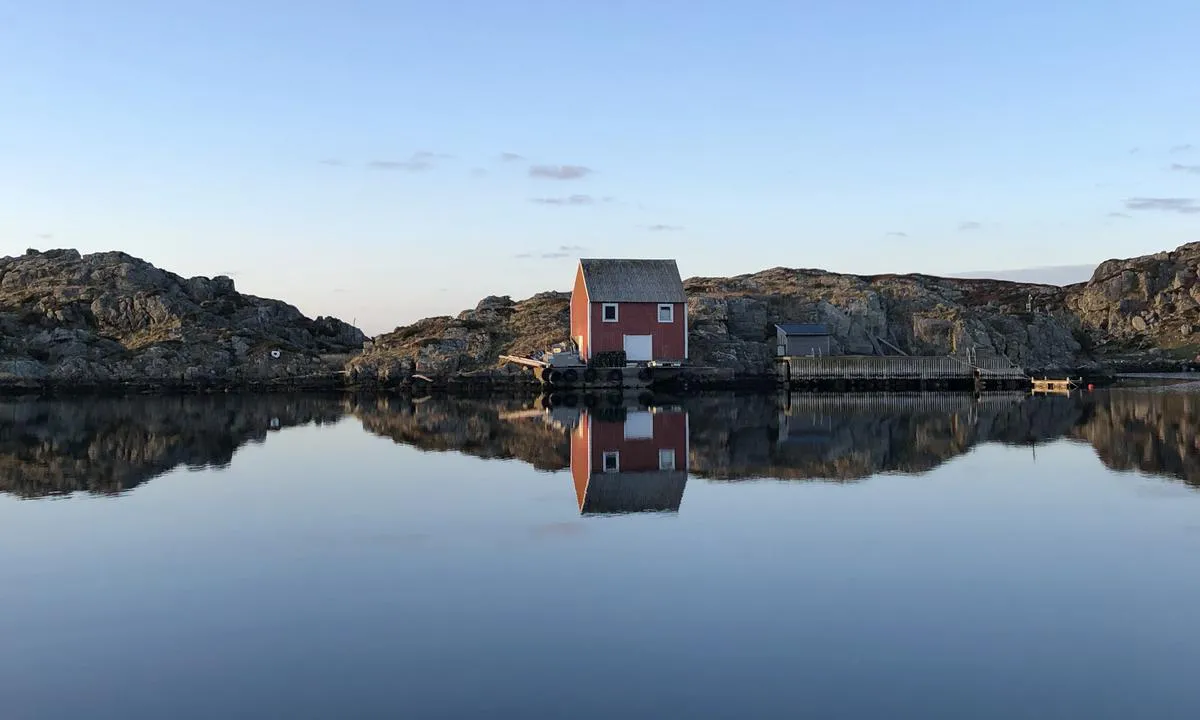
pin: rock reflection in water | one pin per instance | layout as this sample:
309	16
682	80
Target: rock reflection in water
56	447
480	427
852	437
107	446
1152	432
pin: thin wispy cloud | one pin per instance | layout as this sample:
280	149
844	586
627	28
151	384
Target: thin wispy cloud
661	227
511	157
331	162
1186	147
479	172
417	162
1185	206
563	251
896	234
1119	215
1135	151
45	236
559	172
1193	169
568	200
968	225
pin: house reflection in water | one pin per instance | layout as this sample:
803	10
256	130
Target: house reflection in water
628	460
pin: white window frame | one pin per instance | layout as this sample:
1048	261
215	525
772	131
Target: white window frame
616	458
604	312
670	308
668	455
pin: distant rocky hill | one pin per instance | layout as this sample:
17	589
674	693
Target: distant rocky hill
1143	310
111	319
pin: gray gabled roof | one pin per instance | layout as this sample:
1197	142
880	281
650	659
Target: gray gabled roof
633	492
632	280
802	329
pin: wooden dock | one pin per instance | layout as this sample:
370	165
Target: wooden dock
586	377
897	373
1047	386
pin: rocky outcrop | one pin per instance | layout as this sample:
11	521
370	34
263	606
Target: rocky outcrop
1145	302
108	319
732	319
473	341
1150	302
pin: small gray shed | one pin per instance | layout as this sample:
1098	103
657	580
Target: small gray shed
801	339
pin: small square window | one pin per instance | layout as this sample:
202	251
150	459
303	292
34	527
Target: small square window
612	462
666	313
609	312
666	459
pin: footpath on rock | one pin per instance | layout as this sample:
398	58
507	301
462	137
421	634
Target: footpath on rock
110	321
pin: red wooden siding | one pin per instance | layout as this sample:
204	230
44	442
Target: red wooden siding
579	313
592	438
669	341
670	432
580	470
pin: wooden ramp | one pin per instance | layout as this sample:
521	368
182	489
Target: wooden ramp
527	362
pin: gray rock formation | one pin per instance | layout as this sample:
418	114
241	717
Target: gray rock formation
733	319
473	341
1149	301
111	319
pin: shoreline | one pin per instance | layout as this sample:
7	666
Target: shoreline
527	387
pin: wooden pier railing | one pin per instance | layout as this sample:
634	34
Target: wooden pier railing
876	368
899	370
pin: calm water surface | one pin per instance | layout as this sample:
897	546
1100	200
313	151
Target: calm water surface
309	557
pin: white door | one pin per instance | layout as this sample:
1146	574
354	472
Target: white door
639	425
639	348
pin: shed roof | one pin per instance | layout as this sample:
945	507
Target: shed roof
632	280
802	329
632	492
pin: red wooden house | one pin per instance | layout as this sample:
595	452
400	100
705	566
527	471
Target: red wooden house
637	306
635	464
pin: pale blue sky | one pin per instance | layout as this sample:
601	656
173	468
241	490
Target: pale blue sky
992	135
